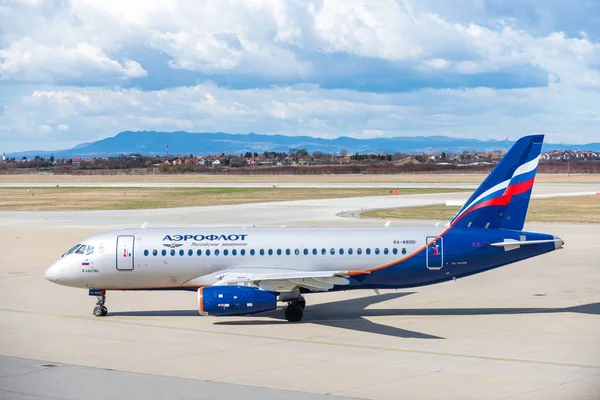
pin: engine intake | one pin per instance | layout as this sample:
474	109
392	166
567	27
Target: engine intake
234	300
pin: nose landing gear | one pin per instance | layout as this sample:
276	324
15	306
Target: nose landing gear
99	310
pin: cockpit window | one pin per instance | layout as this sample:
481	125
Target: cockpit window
80	250
72	250
90	250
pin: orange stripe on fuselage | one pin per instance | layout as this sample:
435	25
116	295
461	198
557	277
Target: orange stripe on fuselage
410	255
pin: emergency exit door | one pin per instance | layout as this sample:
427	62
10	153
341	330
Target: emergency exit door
435	252
125	252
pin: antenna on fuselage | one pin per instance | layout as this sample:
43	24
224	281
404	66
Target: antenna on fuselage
144	225
387	224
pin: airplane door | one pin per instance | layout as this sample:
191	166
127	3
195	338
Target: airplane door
434	258
125	252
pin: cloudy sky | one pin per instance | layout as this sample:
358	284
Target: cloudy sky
74	71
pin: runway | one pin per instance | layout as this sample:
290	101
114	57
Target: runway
526	331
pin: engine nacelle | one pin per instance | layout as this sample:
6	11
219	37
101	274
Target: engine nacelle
234	300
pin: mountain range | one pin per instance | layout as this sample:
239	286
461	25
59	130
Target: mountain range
183	143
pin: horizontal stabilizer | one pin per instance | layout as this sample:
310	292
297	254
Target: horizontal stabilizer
512	244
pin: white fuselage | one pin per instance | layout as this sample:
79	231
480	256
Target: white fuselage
193	257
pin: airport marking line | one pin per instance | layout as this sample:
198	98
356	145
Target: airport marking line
309	341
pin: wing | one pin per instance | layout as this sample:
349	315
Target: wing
287	281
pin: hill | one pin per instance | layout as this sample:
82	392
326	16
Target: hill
180	143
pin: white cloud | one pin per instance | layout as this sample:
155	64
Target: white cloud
27	60
266	38
45	129
94	113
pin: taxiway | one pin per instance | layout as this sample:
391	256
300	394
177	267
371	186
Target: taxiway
526	331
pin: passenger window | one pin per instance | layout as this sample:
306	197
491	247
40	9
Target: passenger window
181	252
242	252
90	250
252	252
172	252
234	252
377	250
225	252
154	252
368	251
164	252
359	251
403	250
198	252
350	251
262	252
287	252
207	252
332	251
146	253
395	250
270	252
386	251
190	252
297	252
81	250
323	251
217	252
278	252
305	252
341	252
314	252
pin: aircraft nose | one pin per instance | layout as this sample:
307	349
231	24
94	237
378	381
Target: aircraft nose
52	273
558	242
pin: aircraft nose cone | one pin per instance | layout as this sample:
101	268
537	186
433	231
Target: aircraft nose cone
558	242
52	273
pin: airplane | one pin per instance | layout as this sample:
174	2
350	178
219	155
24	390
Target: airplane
248	270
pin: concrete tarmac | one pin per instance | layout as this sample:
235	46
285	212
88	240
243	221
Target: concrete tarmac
526	331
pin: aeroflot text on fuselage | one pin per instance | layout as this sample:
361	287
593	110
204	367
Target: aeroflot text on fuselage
199	238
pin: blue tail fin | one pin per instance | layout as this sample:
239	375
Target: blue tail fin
502	200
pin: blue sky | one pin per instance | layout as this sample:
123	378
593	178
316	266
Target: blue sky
81	70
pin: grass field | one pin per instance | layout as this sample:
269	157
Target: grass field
56	199
585	209
191	178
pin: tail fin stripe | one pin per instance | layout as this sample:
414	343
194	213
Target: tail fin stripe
527	167
502	200
524	173
490	193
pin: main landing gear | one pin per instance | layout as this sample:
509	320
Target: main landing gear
295	310
100	310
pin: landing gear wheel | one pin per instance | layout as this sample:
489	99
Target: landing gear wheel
294	312
300	302
104	311
99	311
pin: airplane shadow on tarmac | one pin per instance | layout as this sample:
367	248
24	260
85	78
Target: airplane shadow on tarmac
352	315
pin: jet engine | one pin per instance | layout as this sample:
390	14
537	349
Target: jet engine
234	300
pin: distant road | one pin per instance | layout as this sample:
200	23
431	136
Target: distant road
254	185
198	180
291	185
